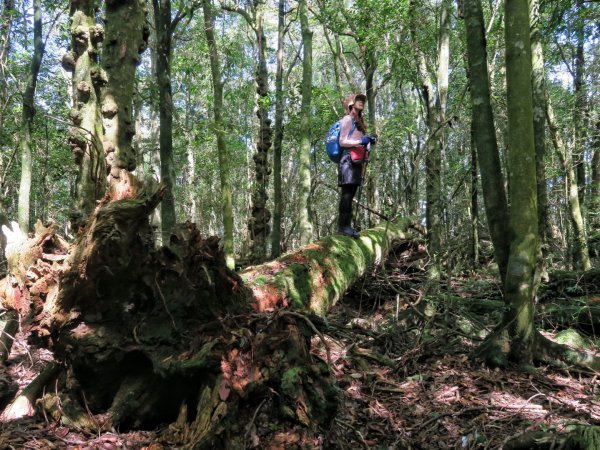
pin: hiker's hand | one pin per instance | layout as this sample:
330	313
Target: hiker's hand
373	139
366	140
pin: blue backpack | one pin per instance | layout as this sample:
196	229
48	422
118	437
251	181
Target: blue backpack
332	141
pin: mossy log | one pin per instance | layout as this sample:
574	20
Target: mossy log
166	335
151	335
564	283
316	276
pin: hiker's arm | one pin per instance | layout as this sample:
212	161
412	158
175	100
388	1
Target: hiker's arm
349	141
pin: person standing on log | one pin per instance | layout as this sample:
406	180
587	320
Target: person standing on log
354	143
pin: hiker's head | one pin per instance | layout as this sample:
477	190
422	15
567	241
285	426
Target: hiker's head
355	101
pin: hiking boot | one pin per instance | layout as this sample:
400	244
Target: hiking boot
348	231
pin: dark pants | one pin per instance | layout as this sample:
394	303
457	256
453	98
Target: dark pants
349	179
348	193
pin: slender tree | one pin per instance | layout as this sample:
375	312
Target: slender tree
580	252
219	127
494	194
278	136
579	108
435	101
6	21
27	114
260	216
539	120
305	227
594	210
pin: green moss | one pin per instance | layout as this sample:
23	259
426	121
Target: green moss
291	380
572	338
260	280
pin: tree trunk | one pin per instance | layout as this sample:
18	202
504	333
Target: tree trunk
494	195
6	20
435	110
27	118
474	201
277	143
579	108
581	252
371	179
85	137
304	225
260	216
315	277
164	31
219	127
520	285
539	122
594	210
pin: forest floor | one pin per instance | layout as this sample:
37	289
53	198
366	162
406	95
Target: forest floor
401	359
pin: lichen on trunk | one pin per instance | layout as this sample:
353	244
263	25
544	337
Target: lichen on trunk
126	38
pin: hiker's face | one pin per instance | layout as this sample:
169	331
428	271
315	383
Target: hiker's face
359	105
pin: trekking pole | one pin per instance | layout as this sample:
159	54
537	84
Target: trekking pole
372	211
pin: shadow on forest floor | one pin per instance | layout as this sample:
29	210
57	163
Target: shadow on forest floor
402	363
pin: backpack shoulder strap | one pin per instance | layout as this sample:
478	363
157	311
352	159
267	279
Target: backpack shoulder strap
352	128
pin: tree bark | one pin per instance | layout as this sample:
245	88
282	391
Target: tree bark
494	194
539	122
260	215
314	277
474	200
164	31
581	252
304	225
579	108
594	210
27	118
219	128
85	137
435	111
278	137
520	285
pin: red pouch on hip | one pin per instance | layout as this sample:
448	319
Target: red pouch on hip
359	154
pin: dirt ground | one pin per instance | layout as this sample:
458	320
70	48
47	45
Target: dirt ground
402	362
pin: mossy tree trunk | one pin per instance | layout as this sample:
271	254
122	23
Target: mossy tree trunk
474	200
539	121
520	284
435	107
304	225
6	21
219	127
594	210
85	137
581	257
164	36
260	216
579	107
315	277
494	194
126	38
278	135
27	118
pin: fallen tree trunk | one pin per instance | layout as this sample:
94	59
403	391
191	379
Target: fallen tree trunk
564	283
316	276
151	335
